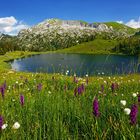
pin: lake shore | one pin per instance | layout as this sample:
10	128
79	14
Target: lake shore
4	66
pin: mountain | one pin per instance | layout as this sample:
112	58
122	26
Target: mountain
53	34
121	28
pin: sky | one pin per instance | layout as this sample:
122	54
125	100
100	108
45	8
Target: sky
21	14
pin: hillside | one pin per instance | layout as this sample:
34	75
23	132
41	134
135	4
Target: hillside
129	45
97	46
137	35
121	27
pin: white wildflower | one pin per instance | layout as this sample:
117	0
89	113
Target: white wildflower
127	111
123	102
134	95
16	125
4	126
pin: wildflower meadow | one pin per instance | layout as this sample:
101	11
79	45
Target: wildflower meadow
43	106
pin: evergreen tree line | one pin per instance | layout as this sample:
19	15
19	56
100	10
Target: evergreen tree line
130	46
8	43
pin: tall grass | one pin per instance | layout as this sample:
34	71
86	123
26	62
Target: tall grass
54	112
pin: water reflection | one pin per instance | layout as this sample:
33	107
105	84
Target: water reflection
79	64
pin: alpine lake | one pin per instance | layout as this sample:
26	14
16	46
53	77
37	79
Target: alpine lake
79	64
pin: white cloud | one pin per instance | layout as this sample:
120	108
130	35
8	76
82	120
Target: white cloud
120	21
134	23
10	25
7	21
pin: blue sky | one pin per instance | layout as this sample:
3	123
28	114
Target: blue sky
31	12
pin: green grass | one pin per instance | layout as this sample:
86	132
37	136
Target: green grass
97	46
55	113
14	55
10	56
122	27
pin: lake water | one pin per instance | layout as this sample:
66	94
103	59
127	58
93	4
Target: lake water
80	64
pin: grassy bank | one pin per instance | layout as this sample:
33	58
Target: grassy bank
60	107
97	46
11	56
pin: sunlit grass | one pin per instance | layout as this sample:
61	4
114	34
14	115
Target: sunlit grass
97	46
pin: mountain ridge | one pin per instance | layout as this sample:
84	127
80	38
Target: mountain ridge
53	34
79	23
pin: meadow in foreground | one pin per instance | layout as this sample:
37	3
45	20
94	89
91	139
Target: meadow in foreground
42	106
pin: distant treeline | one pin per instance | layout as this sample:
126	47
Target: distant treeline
8	43
130	46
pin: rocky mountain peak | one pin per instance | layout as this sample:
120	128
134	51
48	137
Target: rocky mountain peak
65	25
54	33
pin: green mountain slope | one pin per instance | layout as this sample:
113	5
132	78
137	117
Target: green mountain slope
121	27
137	35
97	46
